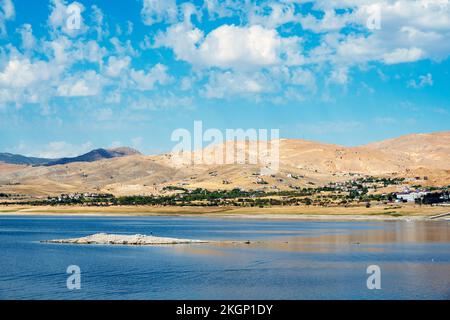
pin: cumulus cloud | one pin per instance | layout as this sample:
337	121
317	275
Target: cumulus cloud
304	78
409	31
117	65
403	55
330	21
226	8
273	15
156	11
256	50
98	19
85	84
7	12
66	17
26	33
339	76
238	47
21	73
147	80
227	46
228	84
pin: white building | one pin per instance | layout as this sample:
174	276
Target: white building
411	196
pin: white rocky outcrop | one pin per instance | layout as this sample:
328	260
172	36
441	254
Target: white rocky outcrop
119	239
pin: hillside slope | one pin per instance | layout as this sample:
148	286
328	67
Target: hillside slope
425	158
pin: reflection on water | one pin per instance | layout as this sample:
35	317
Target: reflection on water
264	259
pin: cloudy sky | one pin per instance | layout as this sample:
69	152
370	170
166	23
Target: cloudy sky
130	72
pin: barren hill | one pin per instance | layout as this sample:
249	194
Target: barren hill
430	150
420	157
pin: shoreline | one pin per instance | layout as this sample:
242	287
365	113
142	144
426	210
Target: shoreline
357	213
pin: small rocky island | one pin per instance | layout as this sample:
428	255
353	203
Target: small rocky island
119	239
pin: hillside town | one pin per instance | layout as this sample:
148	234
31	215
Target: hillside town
363	191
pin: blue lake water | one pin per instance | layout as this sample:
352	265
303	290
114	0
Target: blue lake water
284	260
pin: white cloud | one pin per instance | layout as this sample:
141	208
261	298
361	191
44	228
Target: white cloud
117	65
258	55
409	31
183	41
92	52
28	40
226	8
186	83
61	51
7	12
156	11
123	48
403	55
228	46
28	79
86	84
279	14
60	15
147	80
228	84
339	76
130	27
21	73
99	24
304	78
331	21
7	8
231	46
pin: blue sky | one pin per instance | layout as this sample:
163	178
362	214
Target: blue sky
346	72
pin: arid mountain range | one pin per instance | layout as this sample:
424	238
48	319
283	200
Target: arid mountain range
94	155
419	158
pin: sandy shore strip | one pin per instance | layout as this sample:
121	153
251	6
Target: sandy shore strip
120	239
382	212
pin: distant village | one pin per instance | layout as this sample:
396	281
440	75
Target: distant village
358	191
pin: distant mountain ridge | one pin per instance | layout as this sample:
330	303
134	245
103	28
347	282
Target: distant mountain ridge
19	159
94	155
